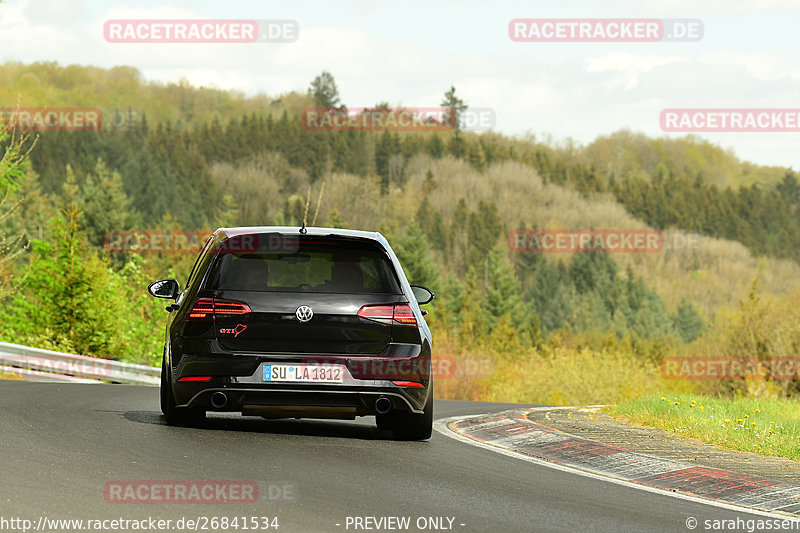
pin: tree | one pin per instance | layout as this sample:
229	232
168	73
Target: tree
484	228
105	205
460	215
69	293
435	146
294	210
589	269
503	293
413	254
474	327
456	145
384	149
229	212
551	295
324	91
36	207
789	189
476	156
454	108
430	182
527	264
688	322
13	169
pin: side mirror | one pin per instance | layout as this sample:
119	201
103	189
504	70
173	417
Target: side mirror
422	294
164	288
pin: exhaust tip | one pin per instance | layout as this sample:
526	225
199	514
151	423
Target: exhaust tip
383	405
219	400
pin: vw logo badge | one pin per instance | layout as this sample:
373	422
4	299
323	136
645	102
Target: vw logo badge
304	313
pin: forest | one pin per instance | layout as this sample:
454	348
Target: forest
555	328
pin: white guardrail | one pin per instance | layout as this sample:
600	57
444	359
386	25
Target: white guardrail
23	362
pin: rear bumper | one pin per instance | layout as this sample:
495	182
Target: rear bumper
369	377
303	401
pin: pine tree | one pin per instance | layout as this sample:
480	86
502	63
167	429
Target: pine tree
454	107
413	254
324	91
460	215
69	293
105	205
474	328
652	320
429	185
36	207
687	320
476	157
552	296
526	263
435	146
591	314
484	229
789	188
590	268
503	293
457	146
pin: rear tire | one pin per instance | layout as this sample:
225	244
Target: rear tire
173	415
410	426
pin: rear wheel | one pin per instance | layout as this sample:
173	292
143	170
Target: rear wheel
410	426
173	415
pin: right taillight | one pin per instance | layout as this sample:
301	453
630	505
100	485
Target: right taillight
213	308
398	314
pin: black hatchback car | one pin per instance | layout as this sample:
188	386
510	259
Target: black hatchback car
284	322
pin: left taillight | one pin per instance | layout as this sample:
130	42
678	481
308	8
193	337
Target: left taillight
397	314
216	308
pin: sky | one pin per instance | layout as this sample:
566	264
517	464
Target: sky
410	52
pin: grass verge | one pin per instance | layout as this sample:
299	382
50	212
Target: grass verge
765	426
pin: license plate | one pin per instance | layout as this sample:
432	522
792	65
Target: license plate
304	373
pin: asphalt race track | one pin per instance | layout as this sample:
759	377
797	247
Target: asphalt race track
61	444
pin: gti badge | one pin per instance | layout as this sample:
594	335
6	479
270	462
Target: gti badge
304	313
238	329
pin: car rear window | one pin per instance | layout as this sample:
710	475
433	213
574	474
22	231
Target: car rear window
323	266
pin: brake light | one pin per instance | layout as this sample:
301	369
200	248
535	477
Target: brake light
213	308
399	314
404	315
377	312
223	308
203	308
195	378
408	384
